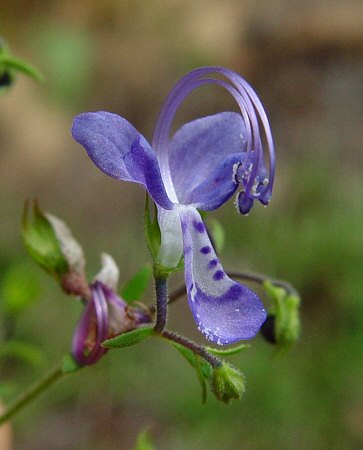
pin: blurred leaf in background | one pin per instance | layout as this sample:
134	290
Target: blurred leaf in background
69	57
19	288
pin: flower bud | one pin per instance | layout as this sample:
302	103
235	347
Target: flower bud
227	383
42	242
282	326
51	244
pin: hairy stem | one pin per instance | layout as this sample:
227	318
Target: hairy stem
31	393
161	303
196	348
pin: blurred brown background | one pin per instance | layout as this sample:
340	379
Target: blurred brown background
305	60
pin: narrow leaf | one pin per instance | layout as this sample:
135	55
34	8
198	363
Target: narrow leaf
152	230
227	351
23	351
189	355
21	66
201	378
130	338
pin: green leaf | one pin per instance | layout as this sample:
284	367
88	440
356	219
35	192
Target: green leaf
69	364
137	284
130	338
228	351
19	65
190	356
23	351
152	230
203	368
201	378
42	243
143	441
19	288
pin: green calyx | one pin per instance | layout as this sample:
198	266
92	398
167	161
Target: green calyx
227	383
285	313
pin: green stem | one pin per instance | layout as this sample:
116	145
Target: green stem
30	394
193	346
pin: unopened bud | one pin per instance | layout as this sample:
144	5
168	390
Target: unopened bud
227	383
282	326
51	244
42	243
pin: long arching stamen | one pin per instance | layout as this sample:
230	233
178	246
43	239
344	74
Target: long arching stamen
252	113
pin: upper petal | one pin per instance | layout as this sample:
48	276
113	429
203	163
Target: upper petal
225	311
120	151
202	156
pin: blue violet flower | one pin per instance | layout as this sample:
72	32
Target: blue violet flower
201	166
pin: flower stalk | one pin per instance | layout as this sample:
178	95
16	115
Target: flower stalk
33	392
196	348
161	303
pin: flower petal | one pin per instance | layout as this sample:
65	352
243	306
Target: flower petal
224	310
256	132
92	329
171	245
120	151
202	156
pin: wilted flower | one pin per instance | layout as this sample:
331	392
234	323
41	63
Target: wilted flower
200	167
105	316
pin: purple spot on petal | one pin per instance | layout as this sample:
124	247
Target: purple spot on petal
212	263
205	250
190	287
219	275
199	226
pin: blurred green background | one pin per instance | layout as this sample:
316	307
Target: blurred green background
305	59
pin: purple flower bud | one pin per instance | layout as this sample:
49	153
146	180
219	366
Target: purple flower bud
105	315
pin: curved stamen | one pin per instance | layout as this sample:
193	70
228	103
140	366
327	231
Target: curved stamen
252	112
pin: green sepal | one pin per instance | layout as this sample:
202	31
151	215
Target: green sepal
151	228
285	309
22	351
69	364
130	338
42	243
137	284
228	351
227	383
